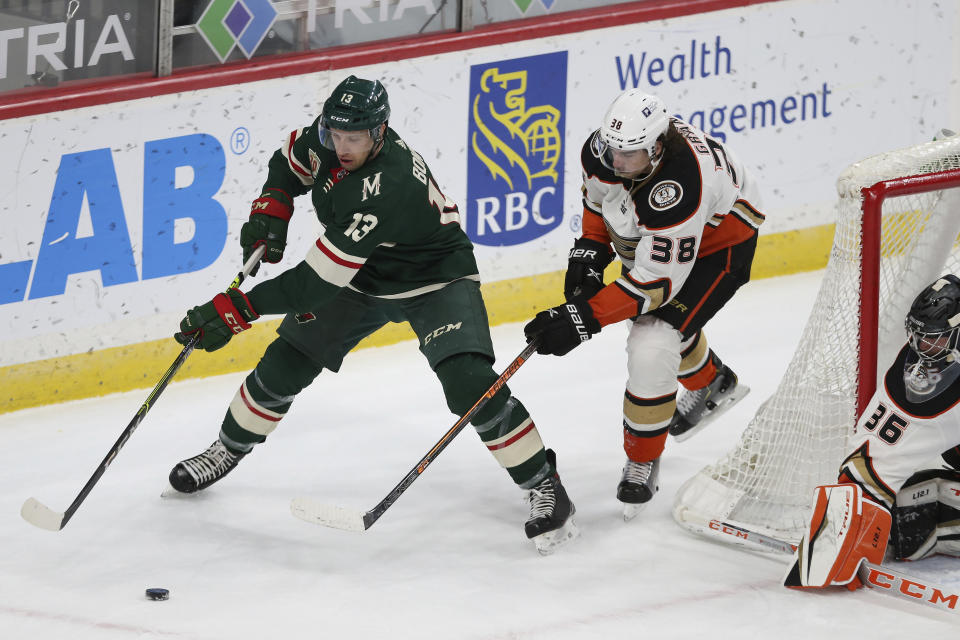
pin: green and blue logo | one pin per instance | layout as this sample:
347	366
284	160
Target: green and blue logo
236	23
523	5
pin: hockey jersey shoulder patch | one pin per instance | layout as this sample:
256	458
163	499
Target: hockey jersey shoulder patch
664	195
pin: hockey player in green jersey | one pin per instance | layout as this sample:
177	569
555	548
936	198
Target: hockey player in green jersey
392	250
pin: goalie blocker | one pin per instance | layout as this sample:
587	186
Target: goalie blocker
846	528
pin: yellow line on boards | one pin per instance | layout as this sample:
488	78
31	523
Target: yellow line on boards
140	366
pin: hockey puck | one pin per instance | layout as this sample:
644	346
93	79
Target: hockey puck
158	594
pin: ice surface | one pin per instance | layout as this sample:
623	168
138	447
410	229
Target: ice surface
449	559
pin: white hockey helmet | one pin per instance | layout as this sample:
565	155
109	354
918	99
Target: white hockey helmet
634	121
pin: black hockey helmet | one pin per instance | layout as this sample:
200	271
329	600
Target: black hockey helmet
933	323
355	105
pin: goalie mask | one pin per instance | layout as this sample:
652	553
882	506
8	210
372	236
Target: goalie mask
634	122
355	105
933	328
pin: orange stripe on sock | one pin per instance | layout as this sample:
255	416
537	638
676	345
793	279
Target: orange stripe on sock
644	449
701	378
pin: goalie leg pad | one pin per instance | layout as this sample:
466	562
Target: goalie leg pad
845	529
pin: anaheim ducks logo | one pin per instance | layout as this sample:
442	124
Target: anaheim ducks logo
665	194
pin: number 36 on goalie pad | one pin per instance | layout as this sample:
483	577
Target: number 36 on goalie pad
845	530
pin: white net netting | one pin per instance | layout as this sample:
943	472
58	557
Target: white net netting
798	437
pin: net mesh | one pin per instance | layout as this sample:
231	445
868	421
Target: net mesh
798	437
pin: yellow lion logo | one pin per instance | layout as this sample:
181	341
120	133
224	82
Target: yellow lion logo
536	128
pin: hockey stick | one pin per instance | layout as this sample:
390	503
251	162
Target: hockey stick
874	576
310	510
39	514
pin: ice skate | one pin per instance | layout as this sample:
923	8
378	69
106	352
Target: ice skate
551	523
201	471
697	409
637	486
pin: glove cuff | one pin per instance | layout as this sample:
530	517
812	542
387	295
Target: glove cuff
587	250
235	310
589	320
581	316
270	206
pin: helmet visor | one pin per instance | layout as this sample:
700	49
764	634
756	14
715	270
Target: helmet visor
629	162
601	150
330	137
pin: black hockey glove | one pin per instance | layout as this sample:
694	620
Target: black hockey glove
560	329
228	313
585	266
269	217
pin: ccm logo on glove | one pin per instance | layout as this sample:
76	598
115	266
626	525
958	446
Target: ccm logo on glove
228	313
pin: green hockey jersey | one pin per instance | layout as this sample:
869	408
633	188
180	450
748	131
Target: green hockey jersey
389	232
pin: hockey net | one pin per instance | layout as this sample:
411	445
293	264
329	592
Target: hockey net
898	218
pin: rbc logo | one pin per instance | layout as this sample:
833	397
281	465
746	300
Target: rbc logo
515	142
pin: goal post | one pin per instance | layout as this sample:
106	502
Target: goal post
873	199
897	226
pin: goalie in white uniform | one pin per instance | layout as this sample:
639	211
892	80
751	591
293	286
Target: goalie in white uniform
682	213
900	485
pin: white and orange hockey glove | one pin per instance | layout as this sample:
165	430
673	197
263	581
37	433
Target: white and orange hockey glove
846	529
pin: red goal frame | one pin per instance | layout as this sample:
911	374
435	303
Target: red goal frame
873	198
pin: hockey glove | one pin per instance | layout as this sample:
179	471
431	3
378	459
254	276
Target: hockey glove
269	217
228	313
585	265
560	329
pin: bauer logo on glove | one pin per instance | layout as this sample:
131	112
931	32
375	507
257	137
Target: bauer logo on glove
560	329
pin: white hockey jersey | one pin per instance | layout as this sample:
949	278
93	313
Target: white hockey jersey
699	199
896	438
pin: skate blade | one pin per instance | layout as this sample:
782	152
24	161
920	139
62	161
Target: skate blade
550	541
631	510
170	492
738	394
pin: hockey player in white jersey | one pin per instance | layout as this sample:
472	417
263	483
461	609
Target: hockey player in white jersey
681	212
900	485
